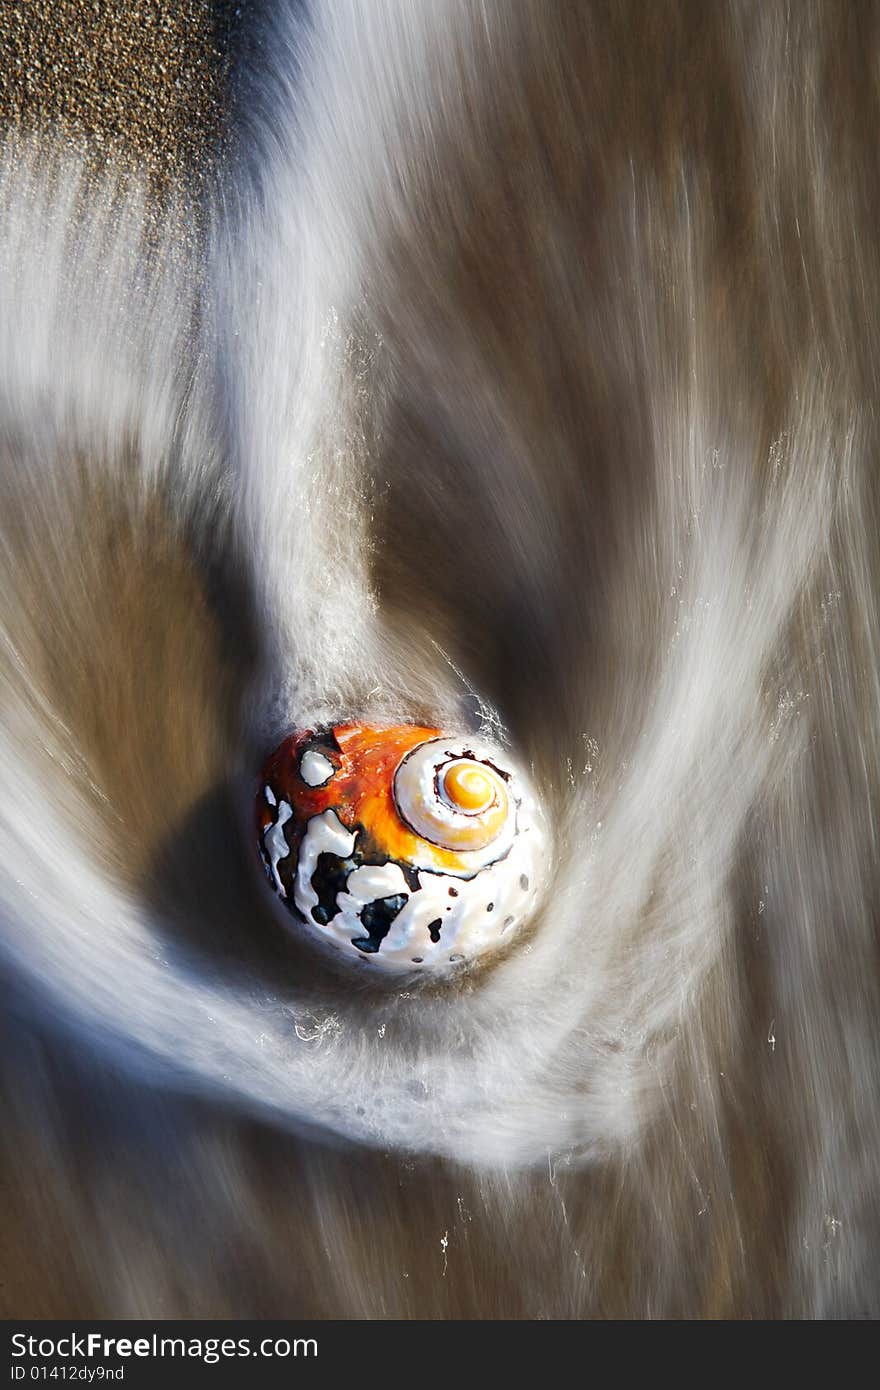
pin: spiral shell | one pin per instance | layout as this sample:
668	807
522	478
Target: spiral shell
403	847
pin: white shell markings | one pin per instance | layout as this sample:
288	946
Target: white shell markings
470	922
276	845
315	769
445	919
325	834
372	881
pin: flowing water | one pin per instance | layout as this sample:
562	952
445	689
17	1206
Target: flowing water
504	365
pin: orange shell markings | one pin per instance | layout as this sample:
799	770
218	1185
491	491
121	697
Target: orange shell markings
468	788
361	791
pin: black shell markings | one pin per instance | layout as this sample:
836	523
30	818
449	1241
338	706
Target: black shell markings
328	881
376	918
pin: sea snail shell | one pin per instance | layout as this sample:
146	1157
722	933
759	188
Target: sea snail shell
402	847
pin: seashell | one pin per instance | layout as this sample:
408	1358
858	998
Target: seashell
402	846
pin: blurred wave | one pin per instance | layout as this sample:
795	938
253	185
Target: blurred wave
517	373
